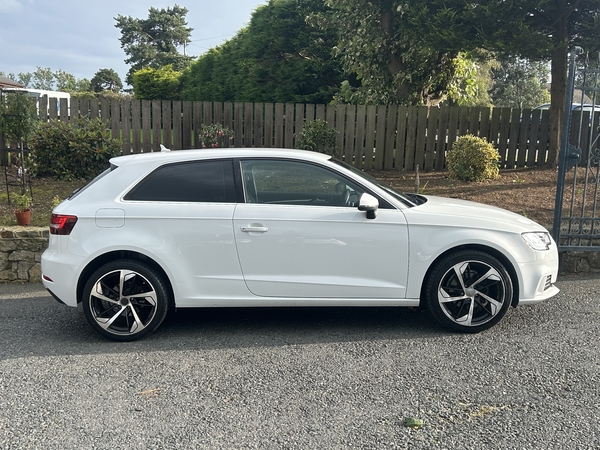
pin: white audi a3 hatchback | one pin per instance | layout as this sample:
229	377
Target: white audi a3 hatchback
257	228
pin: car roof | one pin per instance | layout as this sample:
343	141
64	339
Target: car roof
188	155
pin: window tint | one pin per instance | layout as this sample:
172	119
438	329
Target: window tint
296	183
197	181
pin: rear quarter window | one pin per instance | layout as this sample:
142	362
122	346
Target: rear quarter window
192	181
76	192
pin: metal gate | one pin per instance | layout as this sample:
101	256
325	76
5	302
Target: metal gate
576	225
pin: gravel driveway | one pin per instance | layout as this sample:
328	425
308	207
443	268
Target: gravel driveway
302	378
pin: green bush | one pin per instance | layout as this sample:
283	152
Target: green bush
473	159
315	136
79	149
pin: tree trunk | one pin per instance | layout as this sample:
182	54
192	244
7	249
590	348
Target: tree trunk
558	88
558	91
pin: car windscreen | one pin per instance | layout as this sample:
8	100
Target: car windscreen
397	195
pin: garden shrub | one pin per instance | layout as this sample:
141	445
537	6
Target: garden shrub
473	159
78	149
315	136
214	136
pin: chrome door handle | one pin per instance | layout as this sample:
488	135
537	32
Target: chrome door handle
254	229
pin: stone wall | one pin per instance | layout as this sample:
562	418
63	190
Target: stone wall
580	262
21	250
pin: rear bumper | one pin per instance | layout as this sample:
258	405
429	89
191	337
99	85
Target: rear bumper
60	277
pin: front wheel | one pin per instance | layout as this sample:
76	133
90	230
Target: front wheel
125	300
468	291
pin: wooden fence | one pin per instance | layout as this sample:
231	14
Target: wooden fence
371	136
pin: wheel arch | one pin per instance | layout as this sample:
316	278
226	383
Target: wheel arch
485	249
122	254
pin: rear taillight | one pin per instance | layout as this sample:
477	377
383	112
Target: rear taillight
62	224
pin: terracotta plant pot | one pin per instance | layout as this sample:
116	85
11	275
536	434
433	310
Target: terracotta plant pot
23	217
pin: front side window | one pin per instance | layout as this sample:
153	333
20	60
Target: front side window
296	183
192	181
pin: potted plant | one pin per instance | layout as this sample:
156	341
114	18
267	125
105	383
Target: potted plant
22	212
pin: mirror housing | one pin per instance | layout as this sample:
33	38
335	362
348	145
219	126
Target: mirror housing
369	204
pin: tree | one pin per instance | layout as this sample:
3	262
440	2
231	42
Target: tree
534	29
278	57
388	56
472	80
18	117
153	42
65	81
42	78
106	80
520	83
156	84
82	85
45	79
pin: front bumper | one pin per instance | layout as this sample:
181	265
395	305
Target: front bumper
538	278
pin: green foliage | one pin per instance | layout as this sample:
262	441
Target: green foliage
389	57
317	137
106	80
21	201
278	57
472	79
213	136
520	83
153	42
473	159
79	149
534	29
18	117
56	201
44	78
86	94
156	84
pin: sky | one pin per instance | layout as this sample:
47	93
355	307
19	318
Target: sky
79	36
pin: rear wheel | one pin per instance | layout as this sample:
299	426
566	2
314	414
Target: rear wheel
468	291
125	300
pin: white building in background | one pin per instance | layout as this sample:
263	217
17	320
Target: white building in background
38	93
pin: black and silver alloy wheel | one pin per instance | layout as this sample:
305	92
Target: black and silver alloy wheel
125	300
469	291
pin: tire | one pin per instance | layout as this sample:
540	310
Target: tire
468	291
125	300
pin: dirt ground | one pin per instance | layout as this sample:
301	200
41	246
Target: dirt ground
529	192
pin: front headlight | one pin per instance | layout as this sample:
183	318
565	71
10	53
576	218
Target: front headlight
537	240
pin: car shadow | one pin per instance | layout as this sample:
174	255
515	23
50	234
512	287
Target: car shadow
64	331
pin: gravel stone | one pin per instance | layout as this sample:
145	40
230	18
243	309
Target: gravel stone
330	378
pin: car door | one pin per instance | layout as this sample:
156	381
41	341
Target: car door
301	235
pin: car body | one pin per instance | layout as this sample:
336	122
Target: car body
574	107
274	227
577	108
